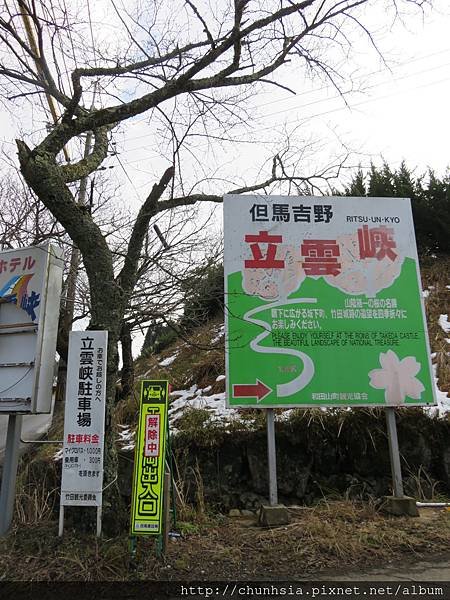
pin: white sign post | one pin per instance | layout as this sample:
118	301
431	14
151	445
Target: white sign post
84	423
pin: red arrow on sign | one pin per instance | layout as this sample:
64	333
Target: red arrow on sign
248	390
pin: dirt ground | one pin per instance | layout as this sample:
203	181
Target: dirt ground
436	568
320	543
333	540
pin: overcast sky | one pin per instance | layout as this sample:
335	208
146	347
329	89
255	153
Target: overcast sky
398	111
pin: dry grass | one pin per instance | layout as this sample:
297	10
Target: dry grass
35	502
436	278
425	488
198	362
39	555
37	484
332	535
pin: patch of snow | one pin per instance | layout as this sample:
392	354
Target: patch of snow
215	404
425	293
126	438
443	401
168	361
220	333
128	447
207	389
443	322
58	455
126	434
285	415
185	393
220	377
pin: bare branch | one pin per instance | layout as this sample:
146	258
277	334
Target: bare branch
127	276
202	21
84	167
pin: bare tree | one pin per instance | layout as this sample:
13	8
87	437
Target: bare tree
170	254
23	219
188	63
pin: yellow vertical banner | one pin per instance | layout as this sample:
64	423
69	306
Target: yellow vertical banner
149	459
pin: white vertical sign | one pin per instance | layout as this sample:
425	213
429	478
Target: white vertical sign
84	419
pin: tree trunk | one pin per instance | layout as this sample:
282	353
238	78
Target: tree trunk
109	294
108	300
60	393
111	313
149	339
127	378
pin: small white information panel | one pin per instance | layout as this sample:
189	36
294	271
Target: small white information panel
84	419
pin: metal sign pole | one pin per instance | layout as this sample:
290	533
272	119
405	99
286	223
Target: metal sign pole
10	472
394	453
166	512
61	520
272	458
99	521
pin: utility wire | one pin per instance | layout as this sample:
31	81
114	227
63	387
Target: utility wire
327	87
313	103
308	117
25	13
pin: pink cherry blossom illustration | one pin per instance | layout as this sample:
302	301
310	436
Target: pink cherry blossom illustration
397	377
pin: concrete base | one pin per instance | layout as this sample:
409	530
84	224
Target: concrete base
400	507
273	516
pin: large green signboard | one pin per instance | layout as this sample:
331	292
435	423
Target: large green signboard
149	460
323	303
